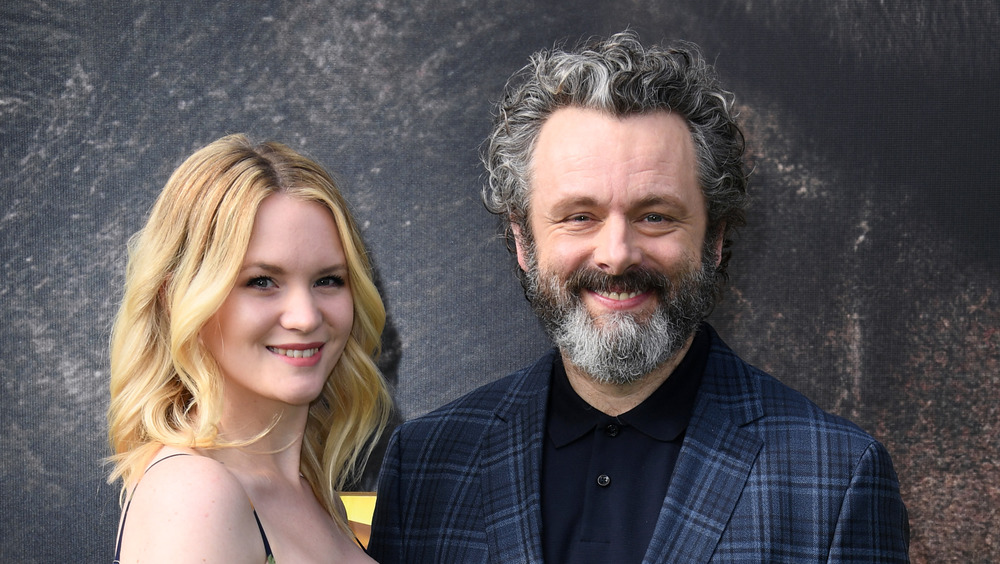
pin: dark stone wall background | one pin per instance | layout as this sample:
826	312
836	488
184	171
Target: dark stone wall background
866	277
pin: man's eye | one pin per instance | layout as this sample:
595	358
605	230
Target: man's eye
331	282
655	218
261	282
579	218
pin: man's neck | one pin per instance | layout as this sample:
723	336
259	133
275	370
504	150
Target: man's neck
615	399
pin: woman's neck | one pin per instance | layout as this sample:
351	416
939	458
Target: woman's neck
269	442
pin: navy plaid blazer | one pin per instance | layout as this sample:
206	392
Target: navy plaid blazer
763	475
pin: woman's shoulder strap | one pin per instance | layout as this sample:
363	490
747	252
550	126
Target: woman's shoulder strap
121	526
263	537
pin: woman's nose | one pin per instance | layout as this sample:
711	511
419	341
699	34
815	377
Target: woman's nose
301	312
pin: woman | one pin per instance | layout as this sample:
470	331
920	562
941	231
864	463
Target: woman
244	394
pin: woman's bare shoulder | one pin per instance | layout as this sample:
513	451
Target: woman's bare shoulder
189	507
187	478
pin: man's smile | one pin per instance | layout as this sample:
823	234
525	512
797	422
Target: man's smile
617	296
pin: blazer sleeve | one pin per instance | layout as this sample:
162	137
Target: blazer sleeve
386	542
873	525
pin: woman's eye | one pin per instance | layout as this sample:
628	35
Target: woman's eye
331	282
261	282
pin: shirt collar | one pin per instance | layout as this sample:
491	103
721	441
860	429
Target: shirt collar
664	415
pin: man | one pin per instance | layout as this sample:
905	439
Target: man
642	437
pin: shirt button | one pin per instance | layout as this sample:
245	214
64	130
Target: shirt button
603	480
612	430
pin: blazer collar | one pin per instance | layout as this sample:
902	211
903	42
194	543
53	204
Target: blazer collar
511	468
715	461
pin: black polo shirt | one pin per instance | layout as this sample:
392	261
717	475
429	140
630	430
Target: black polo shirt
604	478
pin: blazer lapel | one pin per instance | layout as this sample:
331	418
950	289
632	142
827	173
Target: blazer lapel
714	463
511	470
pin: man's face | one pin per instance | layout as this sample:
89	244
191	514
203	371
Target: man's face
617	225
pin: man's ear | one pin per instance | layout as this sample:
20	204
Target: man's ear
515	228
720	238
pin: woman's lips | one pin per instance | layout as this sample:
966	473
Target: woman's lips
306	354
294	353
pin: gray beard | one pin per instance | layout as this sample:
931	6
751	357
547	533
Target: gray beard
618	348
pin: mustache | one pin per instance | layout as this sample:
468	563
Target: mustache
639	279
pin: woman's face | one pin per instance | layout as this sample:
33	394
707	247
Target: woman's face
286	321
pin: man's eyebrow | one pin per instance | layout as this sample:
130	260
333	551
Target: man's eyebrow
576	200
660	199
651	200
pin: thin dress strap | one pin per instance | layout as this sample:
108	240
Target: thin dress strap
263	537
121	526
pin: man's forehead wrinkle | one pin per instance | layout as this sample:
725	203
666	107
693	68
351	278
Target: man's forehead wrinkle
631	196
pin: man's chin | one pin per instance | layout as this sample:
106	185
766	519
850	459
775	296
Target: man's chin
610	319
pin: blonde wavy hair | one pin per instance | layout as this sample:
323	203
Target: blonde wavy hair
166	389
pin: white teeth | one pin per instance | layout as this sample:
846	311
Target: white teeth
619	296
294	353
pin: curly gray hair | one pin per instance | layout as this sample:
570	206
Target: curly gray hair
619	76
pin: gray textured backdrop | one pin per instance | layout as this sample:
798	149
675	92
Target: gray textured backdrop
866	277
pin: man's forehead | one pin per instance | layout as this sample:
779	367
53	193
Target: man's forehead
585	153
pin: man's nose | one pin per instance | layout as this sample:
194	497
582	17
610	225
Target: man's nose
616	248
301	313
